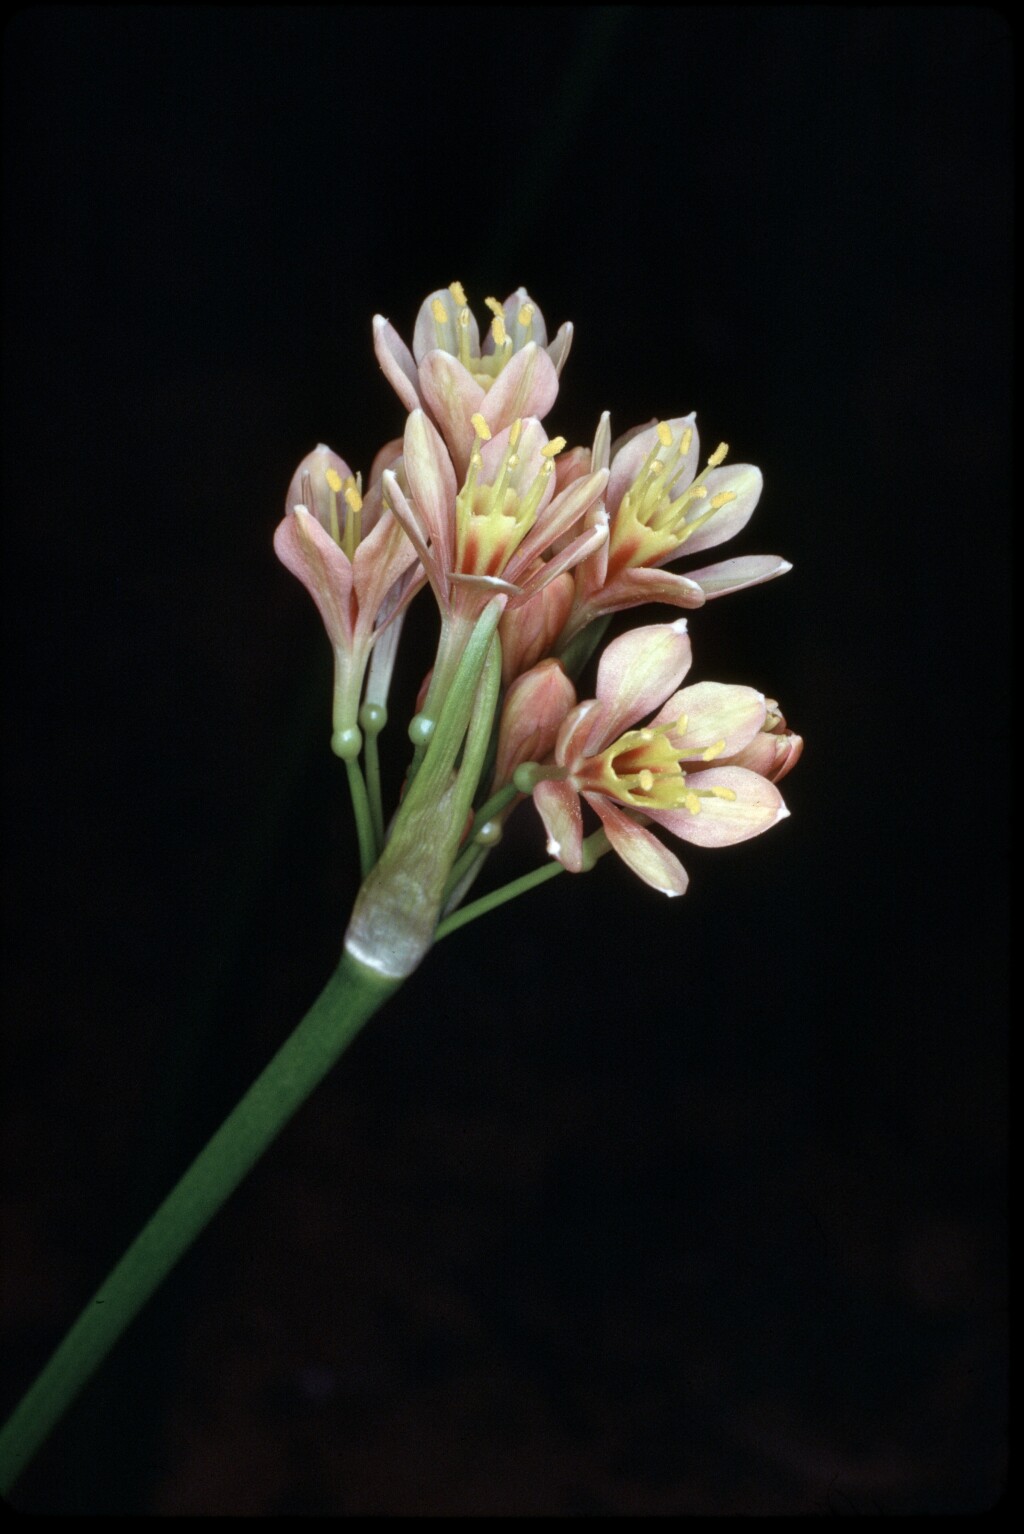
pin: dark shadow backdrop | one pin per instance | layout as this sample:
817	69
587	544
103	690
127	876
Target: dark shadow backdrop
623	1206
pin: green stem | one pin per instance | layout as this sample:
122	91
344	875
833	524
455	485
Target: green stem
498	897
473	850
368	844
373	718
351	996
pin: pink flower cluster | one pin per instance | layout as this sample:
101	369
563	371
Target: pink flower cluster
478	501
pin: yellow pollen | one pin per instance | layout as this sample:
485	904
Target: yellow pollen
722	499
439	311
664	434
685	440
333	479
498	330
495	308
718	455
458	292
553	448
353	499
691	802
525	315
722	793
515	432
711	752
481	427
646	780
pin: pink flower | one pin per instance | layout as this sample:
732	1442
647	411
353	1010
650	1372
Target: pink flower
659	506
682	771
489	536
356	563
447	373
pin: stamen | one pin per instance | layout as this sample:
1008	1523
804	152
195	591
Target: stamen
721	793
498	330
710	752
722	499
458	292
645	778
481	427
553	448
515	432
495	308
664	434
439	312
718	455
525	315
691	802
333	479
685	440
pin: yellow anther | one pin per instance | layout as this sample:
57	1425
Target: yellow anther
722	499
722	793
333	479
525	315
353	499
718	455
553	448
664	434
684	441
515	432
458	292
495	308
710	752
481	427
439	312
691	802
498	330
646	780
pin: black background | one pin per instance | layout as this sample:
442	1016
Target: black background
623	1205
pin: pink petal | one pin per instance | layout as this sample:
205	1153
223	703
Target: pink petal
454	397
533	712
734	574
308	552
396	362
381	559
428	336
527	385
311	477
720	822
578	724
639	850
574	553
560	347
537	330
635	588
530	626
629	460
635	674
715	711
408	515
559	808
432	484
741	480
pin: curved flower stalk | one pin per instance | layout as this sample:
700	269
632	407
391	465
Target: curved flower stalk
659	506
513	375
357	564
684	770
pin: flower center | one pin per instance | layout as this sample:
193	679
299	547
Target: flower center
651	522
643	769
491	520
486	368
